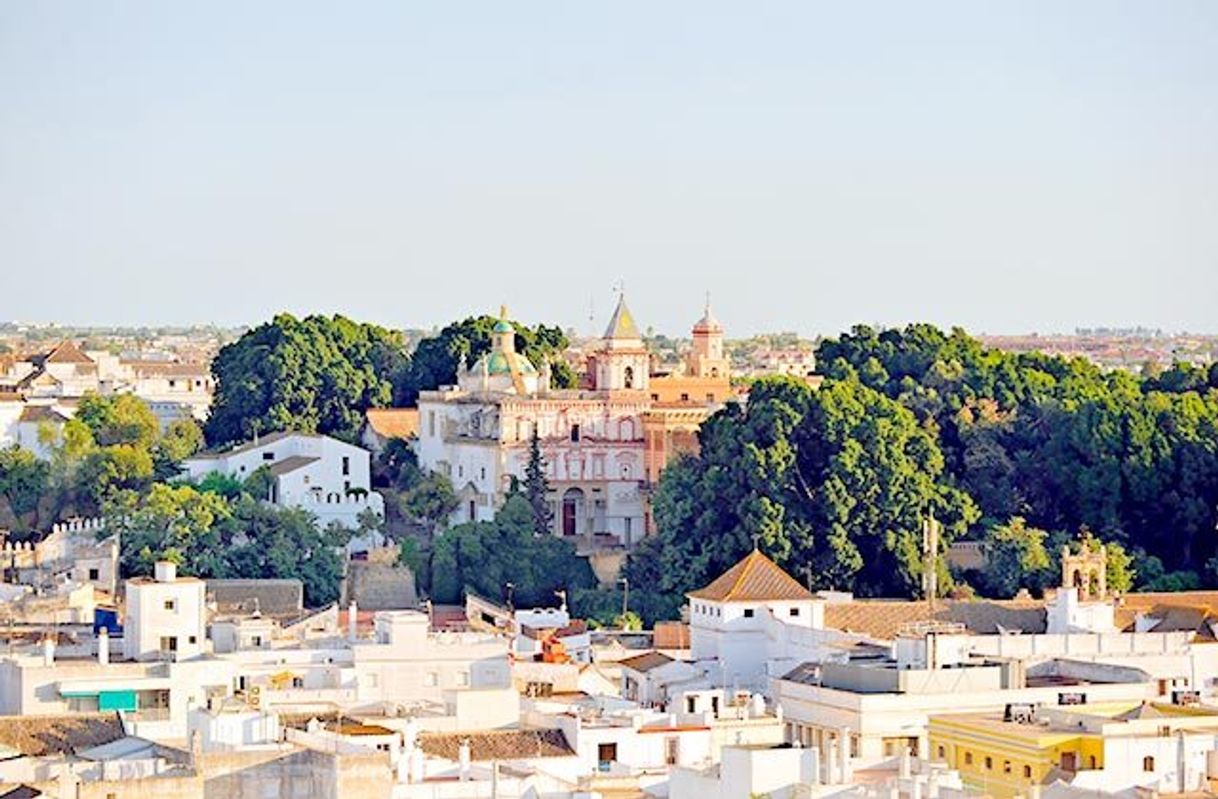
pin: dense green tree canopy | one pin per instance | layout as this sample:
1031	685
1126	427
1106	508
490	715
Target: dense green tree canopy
483	557
832	483
318	375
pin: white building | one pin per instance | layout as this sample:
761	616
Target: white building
173	389
325	476
478	432
732	621
166	617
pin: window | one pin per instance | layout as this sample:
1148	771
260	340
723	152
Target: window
684	396
672	751
268	456
1148	763
968	758
94	574
575	433
989	763
605	755
431	423
433	679
628	377
171	384
710	397
472	510
655	397
346	464
690	704
298	682
463	678
748	613
794	611
1027	772
194	639
1006	767
941	753
169	643
483	472
82	704
171	604
1091	760
256	640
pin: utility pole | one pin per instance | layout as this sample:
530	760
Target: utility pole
930	560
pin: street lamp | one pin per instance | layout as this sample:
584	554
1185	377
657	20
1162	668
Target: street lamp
511	590
625	581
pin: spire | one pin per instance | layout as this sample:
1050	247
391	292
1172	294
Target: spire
621	325
708	323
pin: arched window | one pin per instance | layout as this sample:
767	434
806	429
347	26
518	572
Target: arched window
628	377
626	430
1148	763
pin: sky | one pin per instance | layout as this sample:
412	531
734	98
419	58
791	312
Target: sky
1006	167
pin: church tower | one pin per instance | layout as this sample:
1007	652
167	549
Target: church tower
621	361
706	359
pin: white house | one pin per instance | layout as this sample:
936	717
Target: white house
165	616
730	619
330	478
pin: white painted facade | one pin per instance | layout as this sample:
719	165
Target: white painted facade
166	616
327	477
478	432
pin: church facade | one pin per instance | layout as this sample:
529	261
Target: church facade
599	443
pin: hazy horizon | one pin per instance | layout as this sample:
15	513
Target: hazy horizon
1033	167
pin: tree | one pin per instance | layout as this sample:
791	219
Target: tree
1016	558
317	375
119	419
481	557
537	488
24	480
178	518
429	501
271	542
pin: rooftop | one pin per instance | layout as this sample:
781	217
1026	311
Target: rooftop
39	736
756	578
400	423
646	661
497	744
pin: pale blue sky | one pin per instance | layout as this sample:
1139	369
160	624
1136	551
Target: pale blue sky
1007	167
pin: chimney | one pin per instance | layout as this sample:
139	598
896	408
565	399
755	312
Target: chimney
463	759
165	571
103	646
48	651
352	621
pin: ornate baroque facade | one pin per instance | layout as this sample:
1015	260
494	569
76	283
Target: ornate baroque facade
603	445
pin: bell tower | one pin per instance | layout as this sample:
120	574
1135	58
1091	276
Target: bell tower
706	359
621	362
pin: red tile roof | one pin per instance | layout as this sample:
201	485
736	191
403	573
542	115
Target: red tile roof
754	579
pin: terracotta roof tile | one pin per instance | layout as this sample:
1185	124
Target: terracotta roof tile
394	422
498	744
882	618
646	661
67	352
38	736
754	579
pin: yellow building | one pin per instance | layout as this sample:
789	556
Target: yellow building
1111	746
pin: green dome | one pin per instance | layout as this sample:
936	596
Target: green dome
503	326
497	364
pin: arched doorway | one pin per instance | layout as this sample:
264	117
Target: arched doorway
572	512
